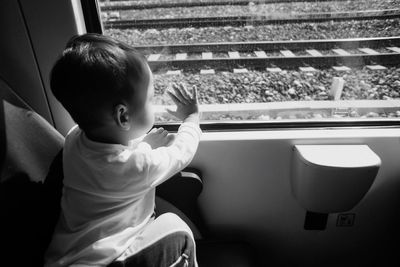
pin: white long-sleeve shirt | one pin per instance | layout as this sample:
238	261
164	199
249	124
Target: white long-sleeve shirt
109	193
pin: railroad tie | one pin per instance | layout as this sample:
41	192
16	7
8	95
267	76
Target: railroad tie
206	55
153	57
274	70
210	71
314	53
181	56
287	53
341	52
233	54
260	54
244	70
341	68
394	49
369	51
174	72
376	67
307	69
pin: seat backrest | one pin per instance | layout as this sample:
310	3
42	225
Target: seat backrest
28	145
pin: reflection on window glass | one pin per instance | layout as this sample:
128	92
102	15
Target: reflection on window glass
269	60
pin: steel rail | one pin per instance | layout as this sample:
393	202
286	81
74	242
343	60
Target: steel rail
249	20
353	43
353	60
138	6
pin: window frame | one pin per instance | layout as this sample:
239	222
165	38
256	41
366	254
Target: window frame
91	13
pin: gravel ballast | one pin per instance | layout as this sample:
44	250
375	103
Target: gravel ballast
296	89
275	10
299	31
262	87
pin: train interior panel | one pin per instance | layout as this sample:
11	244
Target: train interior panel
298	162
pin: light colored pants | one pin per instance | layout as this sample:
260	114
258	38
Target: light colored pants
165	241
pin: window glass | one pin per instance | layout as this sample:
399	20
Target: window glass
269	60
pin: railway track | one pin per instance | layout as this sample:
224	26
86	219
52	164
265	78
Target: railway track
319	54
250	20
117	6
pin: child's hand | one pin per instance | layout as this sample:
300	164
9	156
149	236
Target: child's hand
158	137
187	104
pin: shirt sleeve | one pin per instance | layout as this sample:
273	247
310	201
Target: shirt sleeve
164	162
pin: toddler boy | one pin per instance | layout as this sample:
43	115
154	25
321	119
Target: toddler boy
110	169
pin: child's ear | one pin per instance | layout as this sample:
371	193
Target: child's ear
121	116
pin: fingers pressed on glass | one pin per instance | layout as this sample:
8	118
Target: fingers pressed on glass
180	94
174	98
185	92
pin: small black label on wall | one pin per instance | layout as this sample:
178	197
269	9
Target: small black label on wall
345	219
315	221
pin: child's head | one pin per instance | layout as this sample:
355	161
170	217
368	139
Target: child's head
104	83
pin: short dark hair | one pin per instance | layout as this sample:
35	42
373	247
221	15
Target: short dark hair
94	73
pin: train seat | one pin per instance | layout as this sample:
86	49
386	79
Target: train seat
30	190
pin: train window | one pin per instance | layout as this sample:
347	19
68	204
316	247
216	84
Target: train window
269	61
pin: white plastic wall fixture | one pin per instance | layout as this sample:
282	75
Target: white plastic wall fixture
332	178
